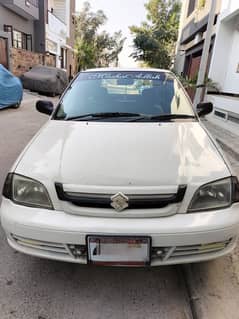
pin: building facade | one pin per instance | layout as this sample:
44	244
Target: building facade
224	68
193	25
60	33
37	32
17	19
223	62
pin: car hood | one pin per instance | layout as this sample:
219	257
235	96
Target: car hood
97	154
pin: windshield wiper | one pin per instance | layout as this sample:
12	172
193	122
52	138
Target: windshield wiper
137	116
103	115
164	117
171	116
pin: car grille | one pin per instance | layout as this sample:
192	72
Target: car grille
71	250
162	254
134	201
167	253
42	245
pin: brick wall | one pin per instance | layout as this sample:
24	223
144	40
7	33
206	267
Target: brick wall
23	60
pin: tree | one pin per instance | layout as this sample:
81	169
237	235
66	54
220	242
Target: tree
94	48
154	40
109	48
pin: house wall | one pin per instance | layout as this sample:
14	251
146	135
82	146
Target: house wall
49	35
59	9
55	36
226	74
23	60
60	32
192	31
19	60
229	9
21	7
232	78
56	28
180	54
224	68
218	70
40	27
10	18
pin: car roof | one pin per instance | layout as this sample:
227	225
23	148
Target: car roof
127	70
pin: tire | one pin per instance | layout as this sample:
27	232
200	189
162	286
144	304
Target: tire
16	106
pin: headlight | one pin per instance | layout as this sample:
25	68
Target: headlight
26	191
215	195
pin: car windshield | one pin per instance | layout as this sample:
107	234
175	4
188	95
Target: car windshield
122	95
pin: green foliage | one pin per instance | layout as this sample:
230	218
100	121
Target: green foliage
154	40
94	48
192	83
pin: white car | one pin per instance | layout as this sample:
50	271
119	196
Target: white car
122	174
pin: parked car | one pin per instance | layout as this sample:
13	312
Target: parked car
122	178
45	80
10	89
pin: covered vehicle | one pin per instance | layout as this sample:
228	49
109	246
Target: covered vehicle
45	79
10	89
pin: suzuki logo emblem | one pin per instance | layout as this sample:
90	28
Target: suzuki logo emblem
119	202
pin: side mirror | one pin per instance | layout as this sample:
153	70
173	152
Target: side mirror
45	107
204	108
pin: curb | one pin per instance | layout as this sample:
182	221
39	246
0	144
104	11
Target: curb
194	297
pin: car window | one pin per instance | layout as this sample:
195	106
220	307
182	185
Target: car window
148	93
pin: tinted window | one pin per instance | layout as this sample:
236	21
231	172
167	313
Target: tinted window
149	93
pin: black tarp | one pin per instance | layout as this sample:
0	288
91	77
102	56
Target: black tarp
45	79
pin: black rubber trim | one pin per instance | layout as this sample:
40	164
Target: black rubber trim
223	93
235	189
135	201
7	188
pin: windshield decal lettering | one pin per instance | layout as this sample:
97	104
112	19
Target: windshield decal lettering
122	75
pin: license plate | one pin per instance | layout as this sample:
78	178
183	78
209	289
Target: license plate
119	251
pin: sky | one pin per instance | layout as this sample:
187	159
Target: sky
120	14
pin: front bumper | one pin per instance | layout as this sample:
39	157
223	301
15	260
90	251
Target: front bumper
182	238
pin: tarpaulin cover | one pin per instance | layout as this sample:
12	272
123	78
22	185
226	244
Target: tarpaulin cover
10	88
45	79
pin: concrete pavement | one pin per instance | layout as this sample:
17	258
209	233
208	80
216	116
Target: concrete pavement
215	285
227	137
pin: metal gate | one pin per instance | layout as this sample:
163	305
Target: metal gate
3	52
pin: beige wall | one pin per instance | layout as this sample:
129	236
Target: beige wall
200	12
50	4
187	24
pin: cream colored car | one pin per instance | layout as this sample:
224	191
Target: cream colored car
123	173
